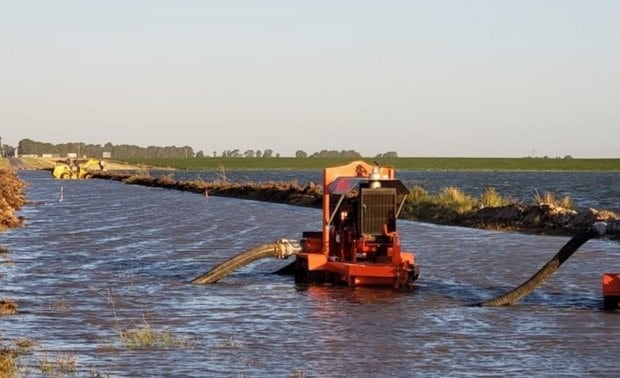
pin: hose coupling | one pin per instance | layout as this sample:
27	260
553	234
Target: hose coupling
284	248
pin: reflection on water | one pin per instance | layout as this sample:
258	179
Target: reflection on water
112	255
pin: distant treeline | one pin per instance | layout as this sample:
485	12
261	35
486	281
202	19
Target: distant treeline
122	151
400	163
125	151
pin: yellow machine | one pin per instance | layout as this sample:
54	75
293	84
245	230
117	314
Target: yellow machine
75	169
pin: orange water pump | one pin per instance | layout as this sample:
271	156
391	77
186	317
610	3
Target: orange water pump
358	244
611	290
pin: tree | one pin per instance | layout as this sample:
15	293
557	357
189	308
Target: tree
268	153
351	154
249	154
28	146
301	154
8	150
387	155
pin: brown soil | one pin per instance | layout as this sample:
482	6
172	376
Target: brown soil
12	197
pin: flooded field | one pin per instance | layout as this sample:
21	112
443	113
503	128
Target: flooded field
600	190
112	257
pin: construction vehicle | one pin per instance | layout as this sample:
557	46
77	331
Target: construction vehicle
77	169
358	243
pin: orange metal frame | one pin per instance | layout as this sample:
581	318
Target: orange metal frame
611	290
611	284
398	267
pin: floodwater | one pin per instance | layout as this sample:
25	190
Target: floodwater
111	256
599	190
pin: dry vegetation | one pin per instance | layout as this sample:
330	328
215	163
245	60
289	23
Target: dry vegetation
7	307
12	198
144	336
12	354
17	360
545	214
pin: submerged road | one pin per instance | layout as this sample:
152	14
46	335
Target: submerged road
16	163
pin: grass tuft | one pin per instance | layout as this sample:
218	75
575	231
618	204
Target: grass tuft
229	343
10	357
453	198
145	337
61	305
491	198
418	194
8	363
62	364
8	307
299	374
549	199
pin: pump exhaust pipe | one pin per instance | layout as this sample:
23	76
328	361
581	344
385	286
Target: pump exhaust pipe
280	249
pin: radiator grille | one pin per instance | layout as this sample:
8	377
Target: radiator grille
378	207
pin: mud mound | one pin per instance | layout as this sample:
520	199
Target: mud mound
543	218
281	192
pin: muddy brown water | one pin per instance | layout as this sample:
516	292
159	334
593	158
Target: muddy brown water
113	256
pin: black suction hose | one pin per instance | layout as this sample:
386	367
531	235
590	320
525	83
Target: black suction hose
511	297
280	249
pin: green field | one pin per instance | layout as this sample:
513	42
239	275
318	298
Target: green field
474	164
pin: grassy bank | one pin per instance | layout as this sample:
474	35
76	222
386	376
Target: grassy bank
404	163
501	164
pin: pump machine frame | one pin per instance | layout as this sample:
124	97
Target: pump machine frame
358	244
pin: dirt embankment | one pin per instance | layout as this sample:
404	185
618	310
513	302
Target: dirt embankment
540	219
282	192
12	198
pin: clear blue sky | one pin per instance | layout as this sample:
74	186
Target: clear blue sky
422	78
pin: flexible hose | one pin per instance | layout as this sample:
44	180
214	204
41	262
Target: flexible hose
280	249
547	270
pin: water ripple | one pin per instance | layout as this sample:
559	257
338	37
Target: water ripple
112	255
